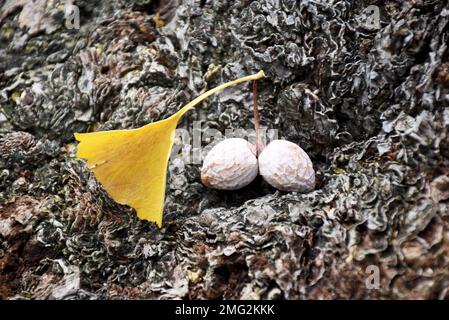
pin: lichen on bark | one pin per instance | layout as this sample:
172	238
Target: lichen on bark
369	104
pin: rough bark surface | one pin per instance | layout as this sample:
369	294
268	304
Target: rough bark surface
368	102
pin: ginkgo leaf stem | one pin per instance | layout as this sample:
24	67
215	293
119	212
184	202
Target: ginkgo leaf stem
200	98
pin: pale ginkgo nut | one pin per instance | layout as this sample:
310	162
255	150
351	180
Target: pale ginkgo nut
285	166
230	165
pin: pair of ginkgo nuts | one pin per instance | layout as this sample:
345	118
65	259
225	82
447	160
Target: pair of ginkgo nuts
233	164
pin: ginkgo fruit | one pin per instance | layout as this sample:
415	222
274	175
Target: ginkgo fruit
234	163
230	165
132	164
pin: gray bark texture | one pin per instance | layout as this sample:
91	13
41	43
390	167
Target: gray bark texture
361	86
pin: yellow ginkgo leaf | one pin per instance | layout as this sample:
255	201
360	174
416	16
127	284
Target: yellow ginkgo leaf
132	164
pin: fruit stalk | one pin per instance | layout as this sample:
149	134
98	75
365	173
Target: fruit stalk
259	144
